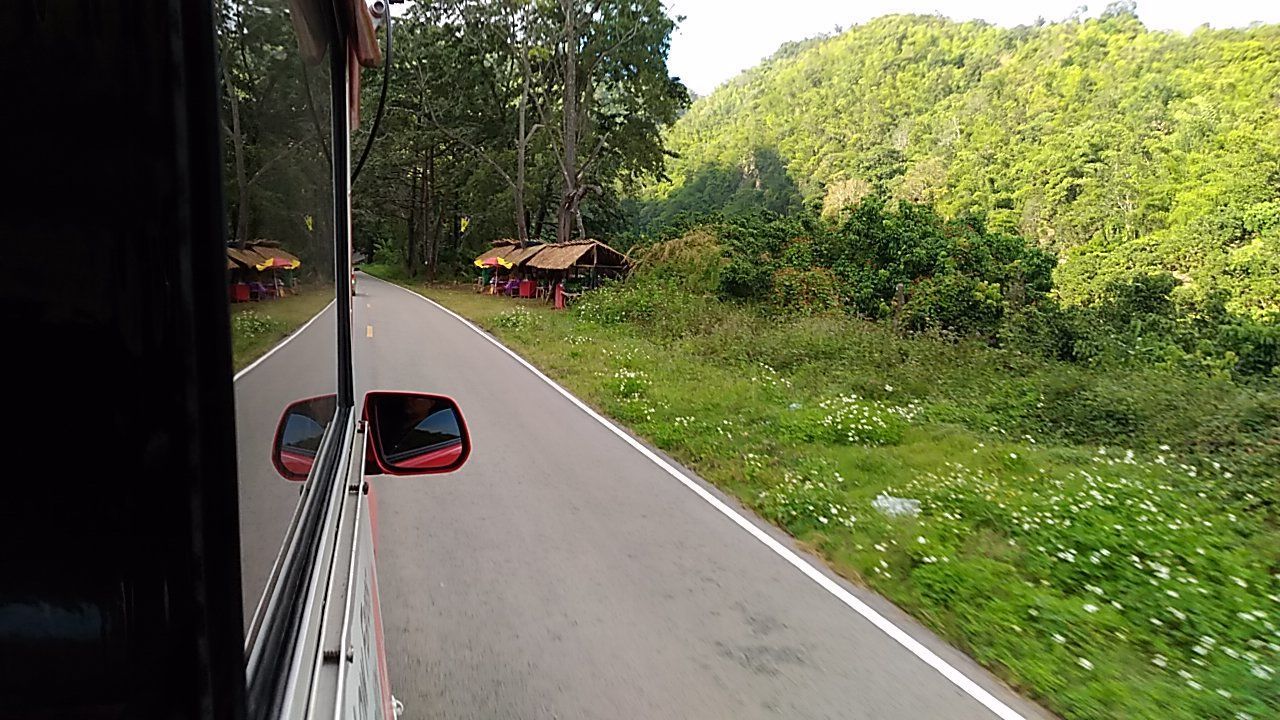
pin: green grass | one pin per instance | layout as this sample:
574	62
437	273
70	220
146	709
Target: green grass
257	327
1104	539
392	273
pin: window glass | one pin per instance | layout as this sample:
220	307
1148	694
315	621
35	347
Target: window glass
276	114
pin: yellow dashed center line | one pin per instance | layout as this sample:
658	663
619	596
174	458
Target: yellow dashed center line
368	331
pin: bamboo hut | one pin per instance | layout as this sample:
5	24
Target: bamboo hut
254	271
520	257
540	267
585	259
497	251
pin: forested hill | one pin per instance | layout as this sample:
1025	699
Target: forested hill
1118	147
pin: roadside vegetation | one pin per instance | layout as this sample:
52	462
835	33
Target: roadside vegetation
1098	525
257	327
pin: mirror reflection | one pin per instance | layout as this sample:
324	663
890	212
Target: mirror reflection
415	433
298	438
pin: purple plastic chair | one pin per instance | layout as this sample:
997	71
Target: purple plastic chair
260	291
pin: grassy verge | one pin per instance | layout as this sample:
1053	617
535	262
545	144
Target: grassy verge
392	273
257	327
1104	539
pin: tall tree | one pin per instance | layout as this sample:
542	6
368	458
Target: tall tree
607	78
273	131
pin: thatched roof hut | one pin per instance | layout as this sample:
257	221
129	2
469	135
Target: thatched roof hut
580	253
247	258
497	251
276	252
521	256
254	257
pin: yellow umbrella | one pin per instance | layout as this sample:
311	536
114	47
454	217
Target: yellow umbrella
278	263
494	262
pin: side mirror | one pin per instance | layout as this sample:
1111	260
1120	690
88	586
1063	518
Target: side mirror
415	433
298	436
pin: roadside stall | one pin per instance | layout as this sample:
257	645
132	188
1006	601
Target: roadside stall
568	269
255	272
492	263
245	278
281	264
527	283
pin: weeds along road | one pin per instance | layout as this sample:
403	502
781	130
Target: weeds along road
564	574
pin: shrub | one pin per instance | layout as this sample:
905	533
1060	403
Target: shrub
851	420
955	303
692	261
804	502
807	292
1044	330
516	318
618	303
389	252
249	324
957	276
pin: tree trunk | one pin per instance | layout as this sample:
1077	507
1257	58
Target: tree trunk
415	175
455	229
541	218
569	165
522	144
437	236
242	173
428	201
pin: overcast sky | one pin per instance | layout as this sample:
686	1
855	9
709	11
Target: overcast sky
720	38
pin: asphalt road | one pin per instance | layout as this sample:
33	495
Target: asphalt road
303	367
563	574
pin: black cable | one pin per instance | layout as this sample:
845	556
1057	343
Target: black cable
382	102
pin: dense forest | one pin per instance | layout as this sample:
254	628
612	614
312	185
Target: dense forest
1118	149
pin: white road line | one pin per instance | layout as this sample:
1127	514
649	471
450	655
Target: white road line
282	343
959	679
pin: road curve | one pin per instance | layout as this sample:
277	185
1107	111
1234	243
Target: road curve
562	574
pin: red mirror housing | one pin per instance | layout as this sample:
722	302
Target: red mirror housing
414	434
298	435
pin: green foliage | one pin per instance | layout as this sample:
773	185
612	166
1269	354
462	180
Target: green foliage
615	304
815	290
249	325
954	303
389	252
901	262
473	134
850	420
948	275
517	318
276	165
1118	148
693	261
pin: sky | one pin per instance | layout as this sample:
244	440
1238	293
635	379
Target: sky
720	38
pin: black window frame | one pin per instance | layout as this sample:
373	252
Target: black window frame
114	152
